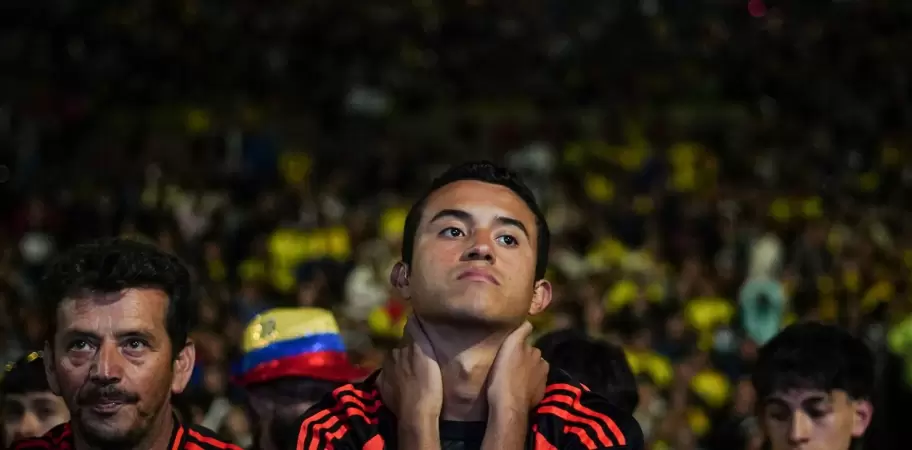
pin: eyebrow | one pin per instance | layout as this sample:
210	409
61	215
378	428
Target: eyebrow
140	333
804	401
464	216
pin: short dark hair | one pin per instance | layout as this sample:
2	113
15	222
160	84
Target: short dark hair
813	355
485	172
25	375
598	364
114	264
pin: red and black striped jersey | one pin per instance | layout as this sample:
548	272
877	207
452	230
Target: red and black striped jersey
569	417
183	437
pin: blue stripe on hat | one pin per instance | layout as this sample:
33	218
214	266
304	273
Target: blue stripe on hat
293	347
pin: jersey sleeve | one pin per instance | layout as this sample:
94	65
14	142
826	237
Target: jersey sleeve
569	418
30	444
344	420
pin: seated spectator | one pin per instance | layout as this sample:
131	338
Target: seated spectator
597	364
814	385
30	409
292	358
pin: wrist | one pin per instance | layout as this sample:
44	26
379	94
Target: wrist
507	415
419	429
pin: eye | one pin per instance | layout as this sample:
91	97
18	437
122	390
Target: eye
44	413
508	240
780	415
80	346
135	344
452	232
817	413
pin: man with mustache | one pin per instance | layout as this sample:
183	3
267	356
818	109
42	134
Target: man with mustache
117	348
465	376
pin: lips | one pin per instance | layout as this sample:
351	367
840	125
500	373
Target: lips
107	407
478	275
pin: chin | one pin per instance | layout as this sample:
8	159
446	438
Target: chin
465	316
109	432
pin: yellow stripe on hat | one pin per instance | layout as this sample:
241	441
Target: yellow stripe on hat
282	324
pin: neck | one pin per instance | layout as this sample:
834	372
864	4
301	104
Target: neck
158	437
465	356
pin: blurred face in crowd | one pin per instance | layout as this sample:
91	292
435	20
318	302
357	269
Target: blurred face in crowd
814	420
31	414
474	257
112	362
280	401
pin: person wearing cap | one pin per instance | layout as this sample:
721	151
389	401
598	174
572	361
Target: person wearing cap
29	407
292	357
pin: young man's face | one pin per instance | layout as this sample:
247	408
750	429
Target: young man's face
814	420
474	257
31	414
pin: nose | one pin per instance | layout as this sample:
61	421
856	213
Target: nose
29	426
799	429
107	367
481	249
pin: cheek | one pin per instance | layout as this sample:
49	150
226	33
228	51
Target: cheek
775	430
436	259
837	425
70	379
52	422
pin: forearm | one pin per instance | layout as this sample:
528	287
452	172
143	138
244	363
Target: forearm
419	435
507	430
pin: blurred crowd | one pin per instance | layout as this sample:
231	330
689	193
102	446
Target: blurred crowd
710	171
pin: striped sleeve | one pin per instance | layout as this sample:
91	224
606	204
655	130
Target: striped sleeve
572	418
58	438
199	438
347	419
32	444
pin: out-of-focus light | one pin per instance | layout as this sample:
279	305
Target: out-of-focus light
756	8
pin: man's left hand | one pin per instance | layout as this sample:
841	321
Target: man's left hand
518	376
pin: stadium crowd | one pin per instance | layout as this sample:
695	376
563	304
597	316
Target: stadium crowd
710	173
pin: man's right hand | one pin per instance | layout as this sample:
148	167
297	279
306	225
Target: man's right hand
410	382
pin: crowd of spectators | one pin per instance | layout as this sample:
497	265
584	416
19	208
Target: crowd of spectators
710	171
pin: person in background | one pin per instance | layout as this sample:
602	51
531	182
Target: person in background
29	408
597	364
762	307
814	384
292	358
117	348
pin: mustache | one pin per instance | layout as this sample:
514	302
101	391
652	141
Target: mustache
106	394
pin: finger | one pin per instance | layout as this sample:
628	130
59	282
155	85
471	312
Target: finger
415	330
520	335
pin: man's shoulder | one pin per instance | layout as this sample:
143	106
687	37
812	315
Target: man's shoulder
59	437
350	413
204	438
570	411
